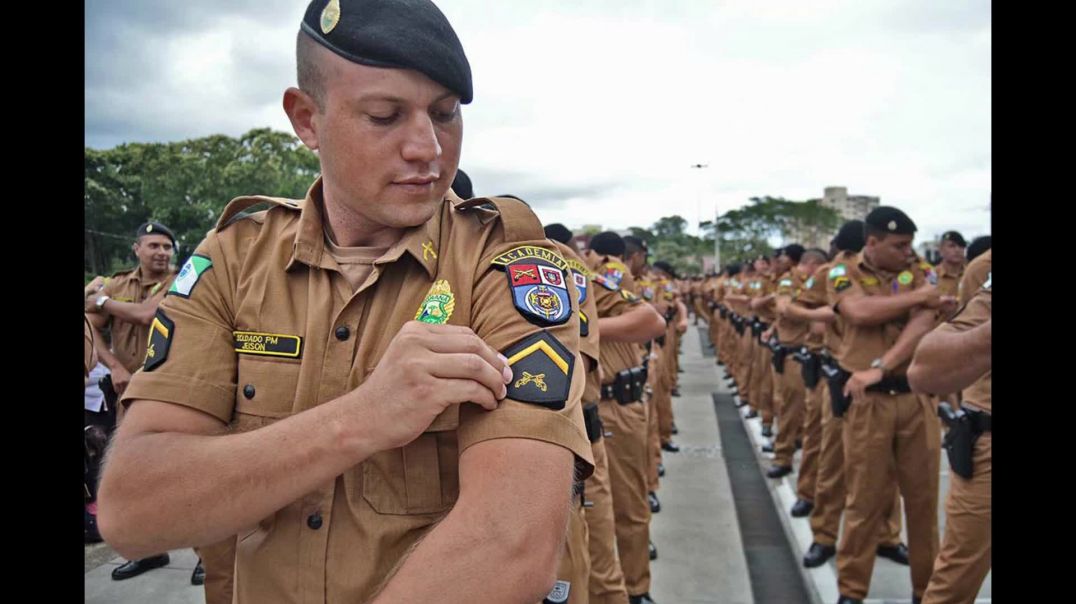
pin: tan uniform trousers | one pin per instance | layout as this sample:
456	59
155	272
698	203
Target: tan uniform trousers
628	461
762	383
218	560
745	362
964	559
829	493
812	441
574	564
606	577
653	439
792	395
663	392
887	439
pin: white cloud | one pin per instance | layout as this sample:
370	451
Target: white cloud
598	109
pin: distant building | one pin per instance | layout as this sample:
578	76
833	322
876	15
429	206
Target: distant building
849	207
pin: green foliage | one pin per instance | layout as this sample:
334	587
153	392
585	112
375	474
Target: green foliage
183	185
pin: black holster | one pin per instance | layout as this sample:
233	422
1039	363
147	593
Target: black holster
837	378
965	427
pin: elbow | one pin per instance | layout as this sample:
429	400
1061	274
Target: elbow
657	327
115	526
528	555
918	379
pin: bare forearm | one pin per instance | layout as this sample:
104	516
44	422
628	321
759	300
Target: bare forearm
947	362
866	311
822	314
502	539
137	313
204	488
921	323
638	325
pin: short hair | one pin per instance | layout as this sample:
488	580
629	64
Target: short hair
634	245
794	251
814	254
309	69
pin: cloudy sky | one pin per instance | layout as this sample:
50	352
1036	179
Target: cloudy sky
594	111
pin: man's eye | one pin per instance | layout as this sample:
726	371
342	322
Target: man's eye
383	120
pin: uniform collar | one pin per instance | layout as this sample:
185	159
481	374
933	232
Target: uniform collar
422	242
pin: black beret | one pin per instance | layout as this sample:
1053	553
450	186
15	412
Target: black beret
777	252
461	185
978	247
154	228
955	237
558	232
666	268
794	252
890	220
402	34
607	243
850	238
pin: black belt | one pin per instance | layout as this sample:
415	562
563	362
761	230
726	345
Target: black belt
892	385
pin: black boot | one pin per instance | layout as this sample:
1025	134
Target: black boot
817	555
778	471
198	576
133	568
653	551
802	508
655	503
897	553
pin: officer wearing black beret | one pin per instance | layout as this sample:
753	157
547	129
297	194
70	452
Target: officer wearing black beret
951	269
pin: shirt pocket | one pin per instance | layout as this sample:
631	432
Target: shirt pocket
419	478
266	387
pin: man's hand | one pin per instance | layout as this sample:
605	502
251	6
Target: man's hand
766	335
90	303
120	378
860	380
425	369
94	286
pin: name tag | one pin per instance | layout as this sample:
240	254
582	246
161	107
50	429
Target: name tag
268	344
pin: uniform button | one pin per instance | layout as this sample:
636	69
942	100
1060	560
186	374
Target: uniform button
248	391
314	520
343	333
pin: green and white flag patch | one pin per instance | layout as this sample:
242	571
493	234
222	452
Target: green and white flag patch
189	275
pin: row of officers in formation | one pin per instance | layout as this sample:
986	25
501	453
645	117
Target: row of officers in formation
870	360
387	391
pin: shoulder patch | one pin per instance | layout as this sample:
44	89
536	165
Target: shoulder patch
630	297
841	283
161	332
524	252
189	275
602	281
870	281
541	370
810	282
584	324
905	278
581	277
539	290
614	273
838	271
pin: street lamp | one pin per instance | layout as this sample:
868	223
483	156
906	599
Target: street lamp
717	251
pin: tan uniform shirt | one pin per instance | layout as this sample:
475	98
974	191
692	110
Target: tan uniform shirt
860	345
270	327
975	313
791	332
616	356
588	320
949	282
813	295
977	273
128	339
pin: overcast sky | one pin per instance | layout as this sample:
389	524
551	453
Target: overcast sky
594	111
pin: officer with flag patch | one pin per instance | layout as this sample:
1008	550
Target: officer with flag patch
891	435
355	450
125	308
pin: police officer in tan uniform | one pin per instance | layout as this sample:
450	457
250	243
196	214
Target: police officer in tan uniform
957	356
625	322
374	387
951	269
124	307
606	580
890	434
